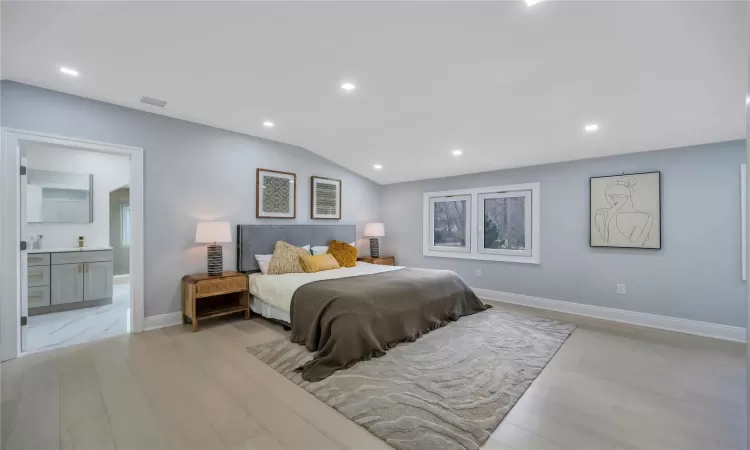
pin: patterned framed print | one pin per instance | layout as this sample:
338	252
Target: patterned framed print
325	198
275	194
625	211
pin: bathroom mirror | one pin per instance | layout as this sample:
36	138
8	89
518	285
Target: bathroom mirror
59	197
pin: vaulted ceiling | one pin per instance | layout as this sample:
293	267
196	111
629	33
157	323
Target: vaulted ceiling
508	84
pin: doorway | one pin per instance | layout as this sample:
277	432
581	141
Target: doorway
58	269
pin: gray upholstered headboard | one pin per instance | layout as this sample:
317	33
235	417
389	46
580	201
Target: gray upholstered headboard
259	239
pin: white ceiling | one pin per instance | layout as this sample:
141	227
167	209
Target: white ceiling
511	85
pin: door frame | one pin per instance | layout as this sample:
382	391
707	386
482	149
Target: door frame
10	238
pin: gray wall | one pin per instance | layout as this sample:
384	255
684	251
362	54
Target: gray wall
696	275
120	255
192	173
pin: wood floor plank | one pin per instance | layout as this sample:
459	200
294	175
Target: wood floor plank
616	388
84	423
326	419
228	368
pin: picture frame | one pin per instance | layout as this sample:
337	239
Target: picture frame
275	194
625	211
325	198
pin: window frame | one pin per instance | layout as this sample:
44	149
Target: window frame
481	197
467	225
476	229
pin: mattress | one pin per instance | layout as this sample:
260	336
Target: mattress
272	294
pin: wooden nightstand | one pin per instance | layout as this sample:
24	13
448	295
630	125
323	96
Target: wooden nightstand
383	260
206	297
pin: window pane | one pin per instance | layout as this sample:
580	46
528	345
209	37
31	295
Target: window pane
505	223
450	223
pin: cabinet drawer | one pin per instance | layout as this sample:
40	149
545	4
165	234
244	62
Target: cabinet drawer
220	286
38	296
38	276
38	259
81	257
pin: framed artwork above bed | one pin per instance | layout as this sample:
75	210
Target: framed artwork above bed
325	198
275	194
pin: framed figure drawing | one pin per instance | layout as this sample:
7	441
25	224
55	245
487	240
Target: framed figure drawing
275	194
625	211
325	198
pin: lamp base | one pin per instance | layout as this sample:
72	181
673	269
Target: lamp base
374	248
215	260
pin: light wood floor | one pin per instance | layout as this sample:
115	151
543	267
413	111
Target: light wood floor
609	387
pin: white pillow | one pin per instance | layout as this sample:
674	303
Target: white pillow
323	249
265	260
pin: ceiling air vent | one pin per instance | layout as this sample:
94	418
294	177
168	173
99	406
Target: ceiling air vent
153	101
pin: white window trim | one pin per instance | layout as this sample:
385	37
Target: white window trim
476	227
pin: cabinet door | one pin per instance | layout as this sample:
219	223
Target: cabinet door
97	280
67	283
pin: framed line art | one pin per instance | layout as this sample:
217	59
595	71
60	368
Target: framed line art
325	198
625	211
275	194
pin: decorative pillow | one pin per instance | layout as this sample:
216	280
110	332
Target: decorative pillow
286	259
344	253
323	249
263	262
318	263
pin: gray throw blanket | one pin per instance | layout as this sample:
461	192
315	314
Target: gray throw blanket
346	320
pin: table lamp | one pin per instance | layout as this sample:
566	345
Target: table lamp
213	234
374	231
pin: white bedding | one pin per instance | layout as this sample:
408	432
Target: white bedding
277	290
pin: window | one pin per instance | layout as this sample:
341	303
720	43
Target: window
450	223
506	220
125	226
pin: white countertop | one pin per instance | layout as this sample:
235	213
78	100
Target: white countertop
65	250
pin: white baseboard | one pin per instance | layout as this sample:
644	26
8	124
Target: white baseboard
121	279
707	329
161	321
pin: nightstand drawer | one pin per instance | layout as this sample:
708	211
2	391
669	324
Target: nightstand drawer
207	288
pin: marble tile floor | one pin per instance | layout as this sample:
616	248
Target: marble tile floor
66	328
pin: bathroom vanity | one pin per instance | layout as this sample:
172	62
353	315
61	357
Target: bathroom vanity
69	278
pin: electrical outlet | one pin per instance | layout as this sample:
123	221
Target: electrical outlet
621	289
479	272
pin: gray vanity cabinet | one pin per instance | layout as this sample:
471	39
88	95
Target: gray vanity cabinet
97	280
69	280
67	283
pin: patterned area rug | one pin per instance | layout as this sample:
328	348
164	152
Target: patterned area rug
448	390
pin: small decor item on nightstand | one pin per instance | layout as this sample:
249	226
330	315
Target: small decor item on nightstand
80	242
374	231
213	233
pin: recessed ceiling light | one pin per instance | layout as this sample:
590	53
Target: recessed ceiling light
457	152
348	86
69	71
377	167
268	124
591	128
532	2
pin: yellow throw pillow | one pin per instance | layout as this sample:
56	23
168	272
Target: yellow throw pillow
286	259
344	253
318	263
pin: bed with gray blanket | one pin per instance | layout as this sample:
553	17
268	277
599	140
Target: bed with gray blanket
348	319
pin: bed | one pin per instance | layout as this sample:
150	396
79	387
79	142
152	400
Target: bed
350	314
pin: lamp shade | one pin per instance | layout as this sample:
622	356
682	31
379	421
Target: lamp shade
374	230
210	232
